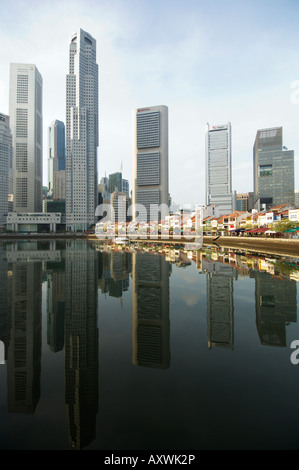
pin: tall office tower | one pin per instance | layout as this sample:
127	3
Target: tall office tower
115	182
273	170
218	168
220	304
120	204
150	162
6	169
150	298
296	197
125	187
244	202
56	160
82	133
26	123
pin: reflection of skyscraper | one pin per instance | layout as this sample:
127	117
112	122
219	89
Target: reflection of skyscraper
81	342
5	301
55	310
151	326
220	304
24	353
276	306
114	270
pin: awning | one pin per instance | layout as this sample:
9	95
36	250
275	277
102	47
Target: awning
237	230
257	230
292	230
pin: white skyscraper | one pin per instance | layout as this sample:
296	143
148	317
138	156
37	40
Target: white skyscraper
218	168
26	122
81	132
150	162
6	159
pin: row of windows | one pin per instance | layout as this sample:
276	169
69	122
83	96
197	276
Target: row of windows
148	169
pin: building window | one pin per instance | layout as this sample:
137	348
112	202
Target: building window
265	170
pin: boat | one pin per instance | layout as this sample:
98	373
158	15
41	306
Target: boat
121	240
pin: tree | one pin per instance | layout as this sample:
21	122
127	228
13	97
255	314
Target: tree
284	225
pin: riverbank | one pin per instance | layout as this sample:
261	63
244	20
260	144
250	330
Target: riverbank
279	246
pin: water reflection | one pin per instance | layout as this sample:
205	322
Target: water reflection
74	273
151	324
220	303
276	307
81	342
24	352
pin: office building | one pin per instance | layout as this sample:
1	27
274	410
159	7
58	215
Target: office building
150	162
6	169
273	167
56	160
218	168
26	123
120	204
244	202
125	187
115	182
296	197
81	132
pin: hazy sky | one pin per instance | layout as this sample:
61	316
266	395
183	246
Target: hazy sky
207	61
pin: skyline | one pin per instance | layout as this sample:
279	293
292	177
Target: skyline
207	63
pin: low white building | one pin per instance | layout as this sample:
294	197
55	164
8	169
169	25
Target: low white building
32	222
294	215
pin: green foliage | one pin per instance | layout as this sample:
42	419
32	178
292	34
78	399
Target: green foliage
284	225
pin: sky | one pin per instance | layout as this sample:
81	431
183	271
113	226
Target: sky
213	62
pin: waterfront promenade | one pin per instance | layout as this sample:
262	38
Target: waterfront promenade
279	246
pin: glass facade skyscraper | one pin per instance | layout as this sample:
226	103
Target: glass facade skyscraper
273	167
6	169
150	163
26	123
56	159
82	134
218	168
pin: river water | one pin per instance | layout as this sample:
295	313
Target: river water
131	349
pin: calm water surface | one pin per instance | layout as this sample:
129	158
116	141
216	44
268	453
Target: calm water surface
134	350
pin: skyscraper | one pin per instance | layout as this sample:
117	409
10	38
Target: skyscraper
81	132
273	167
115	182
150	162
26	122
218	168
6	169
56	160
